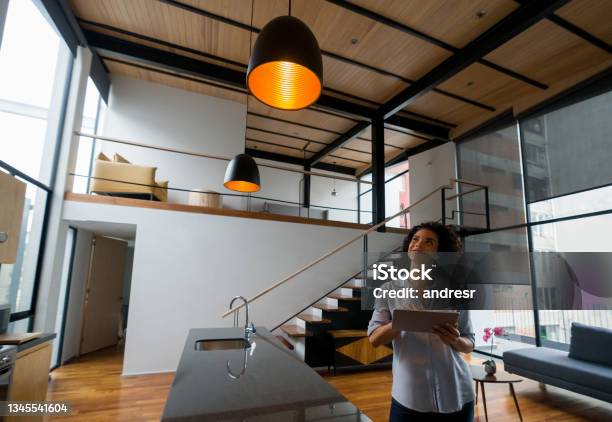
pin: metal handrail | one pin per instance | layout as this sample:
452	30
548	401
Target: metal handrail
460	194
338	248
216	157
237	195
479	186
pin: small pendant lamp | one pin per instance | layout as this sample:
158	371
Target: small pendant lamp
242	174
286	69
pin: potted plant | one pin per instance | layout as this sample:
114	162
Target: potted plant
490	334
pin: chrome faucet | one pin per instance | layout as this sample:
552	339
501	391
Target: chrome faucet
248	328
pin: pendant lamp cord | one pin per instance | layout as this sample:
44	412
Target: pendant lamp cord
289	7
246	116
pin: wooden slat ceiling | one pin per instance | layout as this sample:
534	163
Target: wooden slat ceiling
365	61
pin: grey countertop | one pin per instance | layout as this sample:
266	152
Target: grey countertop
44	337
274	386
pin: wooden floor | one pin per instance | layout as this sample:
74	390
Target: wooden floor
96	391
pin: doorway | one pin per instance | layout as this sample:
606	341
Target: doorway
97	289
103	301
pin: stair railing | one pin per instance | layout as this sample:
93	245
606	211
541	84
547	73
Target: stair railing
478	187
441	188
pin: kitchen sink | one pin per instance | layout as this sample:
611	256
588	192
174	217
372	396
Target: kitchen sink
222	344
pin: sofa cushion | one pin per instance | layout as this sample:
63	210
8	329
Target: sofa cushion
102	157
557	364
120	159
592	344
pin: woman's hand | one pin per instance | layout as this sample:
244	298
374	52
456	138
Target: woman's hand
450	335
383	335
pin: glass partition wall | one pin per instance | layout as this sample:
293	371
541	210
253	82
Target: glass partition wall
550	186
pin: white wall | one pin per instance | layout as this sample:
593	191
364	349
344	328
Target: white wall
154	114
429	170
187	267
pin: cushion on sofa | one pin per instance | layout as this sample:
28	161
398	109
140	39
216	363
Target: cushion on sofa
161	191
557	364
120	159
102	157
592	344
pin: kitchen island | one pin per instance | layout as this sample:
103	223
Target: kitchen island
258	380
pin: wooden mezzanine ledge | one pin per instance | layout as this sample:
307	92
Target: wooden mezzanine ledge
141	203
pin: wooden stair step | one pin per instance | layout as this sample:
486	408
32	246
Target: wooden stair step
348	333
313	319
340	297
295	331
329	308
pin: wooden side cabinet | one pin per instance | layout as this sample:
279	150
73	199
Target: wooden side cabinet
31	378
12	197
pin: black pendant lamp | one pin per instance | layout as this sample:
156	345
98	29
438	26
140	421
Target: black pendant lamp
242	174
286	69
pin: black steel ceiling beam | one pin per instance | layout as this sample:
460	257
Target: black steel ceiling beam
237	24
403	156
121	49
428	38
265	155
338	142
274	144
576	30
308	141
335	132
161	42
585	35
506	29
60	15
377	104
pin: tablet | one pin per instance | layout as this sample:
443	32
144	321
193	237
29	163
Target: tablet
421	321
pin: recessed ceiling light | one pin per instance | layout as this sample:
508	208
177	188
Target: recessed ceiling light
481	14
354	41
470	83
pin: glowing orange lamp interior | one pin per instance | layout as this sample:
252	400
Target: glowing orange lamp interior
241	186
284	85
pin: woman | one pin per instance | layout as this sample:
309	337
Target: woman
431	380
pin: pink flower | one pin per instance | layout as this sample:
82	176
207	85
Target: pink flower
499	331
487	331
485	338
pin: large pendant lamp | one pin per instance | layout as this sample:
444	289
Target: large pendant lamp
286	70
242	174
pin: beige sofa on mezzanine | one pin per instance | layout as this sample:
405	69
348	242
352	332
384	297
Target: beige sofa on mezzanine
121	178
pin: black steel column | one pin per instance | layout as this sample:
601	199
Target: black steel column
306	188
378	170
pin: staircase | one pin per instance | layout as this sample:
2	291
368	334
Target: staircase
333	331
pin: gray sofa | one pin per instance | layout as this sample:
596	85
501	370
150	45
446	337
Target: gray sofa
586	369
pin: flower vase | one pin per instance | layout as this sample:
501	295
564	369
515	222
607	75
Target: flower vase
490	367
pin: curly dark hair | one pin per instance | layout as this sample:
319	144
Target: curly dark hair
448	241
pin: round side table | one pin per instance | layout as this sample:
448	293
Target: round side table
500	377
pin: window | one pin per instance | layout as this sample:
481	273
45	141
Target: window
34	68
566	156
572	153
29	86
578	235
397	195
93	115
494	160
